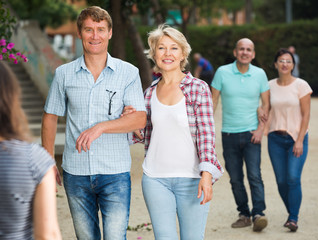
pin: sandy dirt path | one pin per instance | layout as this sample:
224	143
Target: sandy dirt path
223	209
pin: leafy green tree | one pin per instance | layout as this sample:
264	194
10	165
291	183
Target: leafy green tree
235	6
7	21
187	11
231	7
7	24
46	12
124	28
273	11
305	9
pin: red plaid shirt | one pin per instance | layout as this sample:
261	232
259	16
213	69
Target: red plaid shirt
200	116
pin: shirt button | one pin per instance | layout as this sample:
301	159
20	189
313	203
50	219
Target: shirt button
91	153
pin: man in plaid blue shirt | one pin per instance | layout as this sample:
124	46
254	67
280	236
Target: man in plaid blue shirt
92	92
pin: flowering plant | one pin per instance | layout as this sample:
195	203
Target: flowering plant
7	52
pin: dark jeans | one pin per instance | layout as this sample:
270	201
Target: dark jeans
238	148
288	169
207	76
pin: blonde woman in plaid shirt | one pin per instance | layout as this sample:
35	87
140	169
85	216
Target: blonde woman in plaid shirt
180	159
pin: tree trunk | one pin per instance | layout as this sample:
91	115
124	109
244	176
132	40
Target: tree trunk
184	23
142	61
248	11
119	29
186	18
234	17
157	13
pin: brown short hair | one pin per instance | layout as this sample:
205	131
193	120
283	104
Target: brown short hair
13	122
97	14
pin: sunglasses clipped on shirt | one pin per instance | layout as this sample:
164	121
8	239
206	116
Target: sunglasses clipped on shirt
111	94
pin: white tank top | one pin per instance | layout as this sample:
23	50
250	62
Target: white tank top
172	152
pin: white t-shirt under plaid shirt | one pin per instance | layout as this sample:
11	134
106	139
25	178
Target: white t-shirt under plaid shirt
199	108
85	103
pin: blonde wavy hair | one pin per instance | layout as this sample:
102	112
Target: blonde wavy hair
165	30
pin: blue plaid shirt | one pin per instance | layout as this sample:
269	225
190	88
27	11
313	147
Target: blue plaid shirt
85	103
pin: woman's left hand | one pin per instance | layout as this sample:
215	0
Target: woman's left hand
257	136
205	186
298	149
127	110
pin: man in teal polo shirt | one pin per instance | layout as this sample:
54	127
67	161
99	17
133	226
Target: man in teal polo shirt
241	85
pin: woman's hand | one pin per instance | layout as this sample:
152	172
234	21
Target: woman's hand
257	136
298	149
205	185
261	114
128	110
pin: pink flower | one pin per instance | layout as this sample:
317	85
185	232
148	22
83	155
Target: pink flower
7	52
2	42
10	46
139	237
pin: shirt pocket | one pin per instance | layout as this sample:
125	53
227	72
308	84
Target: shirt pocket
113	103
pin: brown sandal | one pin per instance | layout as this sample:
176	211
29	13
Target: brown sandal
292	225
286	223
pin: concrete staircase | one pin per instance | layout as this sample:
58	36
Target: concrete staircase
33	103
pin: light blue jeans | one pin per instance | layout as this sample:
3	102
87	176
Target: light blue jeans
167	197
288	169
109	193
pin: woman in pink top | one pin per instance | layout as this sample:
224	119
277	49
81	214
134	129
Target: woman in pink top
288	132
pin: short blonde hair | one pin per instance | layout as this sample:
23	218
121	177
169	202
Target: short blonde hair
165	30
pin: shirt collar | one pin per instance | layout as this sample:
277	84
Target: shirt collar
186	80
110	63
236	71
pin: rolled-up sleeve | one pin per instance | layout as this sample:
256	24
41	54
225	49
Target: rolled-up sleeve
206	134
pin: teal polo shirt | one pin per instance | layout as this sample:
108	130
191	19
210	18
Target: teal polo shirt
240	96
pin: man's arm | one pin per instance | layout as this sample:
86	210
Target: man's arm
197	71
258	133
215	98
48	133
125	124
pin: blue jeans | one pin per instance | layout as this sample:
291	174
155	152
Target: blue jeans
238	148
109	193
288	169
167	197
